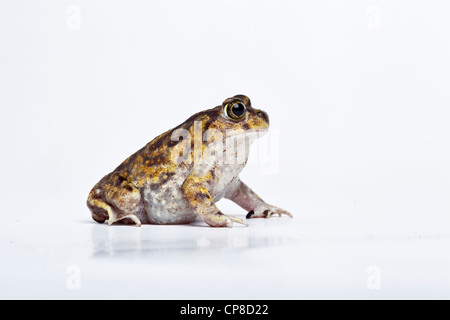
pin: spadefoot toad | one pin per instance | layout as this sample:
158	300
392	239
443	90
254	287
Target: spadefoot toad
182	173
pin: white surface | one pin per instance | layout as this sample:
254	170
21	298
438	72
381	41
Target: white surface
280	258
357	93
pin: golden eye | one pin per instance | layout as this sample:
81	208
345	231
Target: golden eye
235	110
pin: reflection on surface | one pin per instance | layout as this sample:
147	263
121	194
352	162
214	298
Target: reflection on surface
114	241
193	240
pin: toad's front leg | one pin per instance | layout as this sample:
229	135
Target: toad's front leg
245	197
195	192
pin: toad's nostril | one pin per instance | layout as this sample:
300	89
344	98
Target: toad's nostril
263	115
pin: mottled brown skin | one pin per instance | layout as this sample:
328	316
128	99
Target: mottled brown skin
150	187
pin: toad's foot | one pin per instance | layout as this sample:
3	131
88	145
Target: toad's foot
245	197
266	212
222	220
128	219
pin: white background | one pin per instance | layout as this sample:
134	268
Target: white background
357	92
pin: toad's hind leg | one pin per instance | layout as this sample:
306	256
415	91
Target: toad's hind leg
116	199
101	211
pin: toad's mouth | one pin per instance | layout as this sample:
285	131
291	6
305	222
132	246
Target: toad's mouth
251	134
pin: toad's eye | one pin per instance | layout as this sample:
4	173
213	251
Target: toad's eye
235	110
